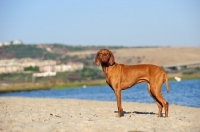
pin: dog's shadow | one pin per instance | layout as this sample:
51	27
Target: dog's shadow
136	112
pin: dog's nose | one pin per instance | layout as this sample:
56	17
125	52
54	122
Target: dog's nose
104	54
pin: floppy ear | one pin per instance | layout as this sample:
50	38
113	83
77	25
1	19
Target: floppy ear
112	59
97	61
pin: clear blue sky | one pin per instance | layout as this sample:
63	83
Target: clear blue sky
102	22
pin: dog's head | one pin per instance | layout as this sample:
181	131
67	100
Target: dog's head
104	56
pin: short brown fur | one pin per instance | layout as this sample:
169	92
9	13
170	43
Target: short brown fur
120	77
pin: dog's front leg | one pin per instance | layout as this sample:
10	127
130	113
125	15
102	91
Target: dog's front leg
118	99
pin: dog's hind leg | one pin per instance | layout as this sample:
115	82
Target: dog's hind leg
159	96
151	93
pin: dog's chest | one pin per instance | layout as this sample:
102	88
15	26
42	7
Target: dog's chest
112	75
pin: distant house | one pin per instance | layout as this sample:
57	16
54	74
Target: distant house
62	67
17	42
11	69
7	43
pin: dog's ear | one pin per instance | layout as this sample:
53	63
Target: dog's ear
112	59
97	61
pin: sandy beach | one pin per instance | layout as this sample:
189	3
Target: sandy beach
69	115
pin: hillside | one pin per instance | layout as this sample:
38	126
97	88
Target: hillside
60	53
86	54
160	56
156	55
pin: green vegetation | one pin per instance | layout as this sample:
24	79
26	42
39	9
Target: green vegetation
33	69
89	73
191	71
23	87
79	84
15	77
24	81
86	73
47	85
23	51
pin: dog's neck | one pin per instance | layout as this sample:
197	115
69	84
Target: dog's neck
105	67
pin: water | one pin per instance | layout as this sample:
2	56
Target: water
186	93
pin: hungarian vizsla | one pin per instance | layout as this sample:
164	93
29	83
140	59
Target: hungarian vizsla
120	77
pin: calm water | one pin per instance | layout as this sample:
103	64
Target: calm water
185	93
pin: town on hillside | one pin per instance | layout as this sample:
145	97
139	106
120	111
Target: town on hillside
19	65
21	62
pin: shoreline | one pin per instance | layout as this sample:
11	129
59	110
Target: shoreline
47	114
46	86
56	98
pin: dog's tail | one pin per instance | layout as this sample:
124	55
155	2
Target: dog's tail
166	82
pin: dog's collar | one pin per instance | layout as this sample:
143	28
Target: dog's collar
107	65
113	64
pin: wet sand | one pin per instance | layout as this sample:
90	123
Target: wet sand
69	115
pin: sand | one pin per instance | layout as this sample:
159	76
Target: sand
69	115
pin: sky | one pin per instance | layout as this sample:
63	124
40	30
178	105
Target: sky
101	22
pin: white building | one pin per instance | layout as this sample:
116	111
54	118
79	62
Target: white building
17	42
18	65
62	68
7	43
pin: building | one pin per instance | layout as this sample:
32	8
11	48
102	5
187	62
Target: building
18	65
62	67
7	43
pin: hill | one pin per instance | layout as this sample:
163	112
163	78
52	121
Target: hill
59	52
160	56
152	55
86	54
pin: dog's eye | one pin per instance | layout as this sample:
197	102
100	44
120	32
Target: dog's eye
104	54
107	54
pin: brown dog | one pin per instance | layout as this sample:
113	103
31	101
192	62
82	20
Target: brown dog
120	77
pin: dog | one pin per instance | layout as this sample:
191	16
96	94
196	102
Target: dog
120	77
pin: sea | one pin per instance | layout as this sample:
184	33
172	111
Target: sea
184	93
